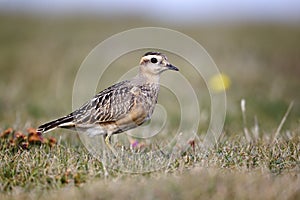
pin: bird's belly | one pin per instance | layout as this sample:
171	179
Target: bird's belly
92	130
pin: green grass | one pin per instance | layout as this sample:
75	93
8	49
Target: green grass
234	168
39	58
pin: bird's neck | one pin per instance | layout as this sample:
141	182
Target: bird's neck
146	77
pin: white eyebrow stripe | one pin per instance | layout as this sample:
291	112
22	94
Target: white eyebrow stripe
153	56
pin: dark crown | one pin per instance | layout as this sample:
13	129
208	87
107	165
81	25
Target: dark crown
152	53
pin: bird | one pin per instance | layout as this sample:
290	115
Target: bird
120	107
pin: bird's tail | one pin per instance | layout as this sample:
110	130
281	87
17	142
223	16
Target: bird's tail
63	122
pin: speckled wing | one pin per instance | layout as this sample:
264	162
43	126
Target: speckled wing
118	108
109	105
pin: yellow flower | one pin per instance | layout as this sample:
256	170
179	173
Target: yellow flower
219	82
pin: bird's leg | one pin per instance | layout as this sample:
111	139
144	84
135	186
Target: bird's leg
107	141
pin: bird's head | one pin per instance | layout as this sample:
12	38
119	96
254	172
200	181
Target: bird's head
154	63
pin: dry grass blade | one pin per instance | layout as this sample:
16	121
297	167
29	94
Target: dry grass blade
283	121
246	131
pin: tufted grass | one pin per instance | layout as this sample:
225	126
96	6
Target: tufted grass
235	168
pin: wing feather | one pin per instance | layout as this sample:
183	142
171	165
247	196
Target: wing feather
109	105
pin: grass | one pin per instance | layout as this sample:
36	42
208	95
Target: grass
234	168
39	59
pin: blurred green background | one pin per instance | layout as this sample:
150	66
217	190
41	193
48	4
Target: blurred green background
41	50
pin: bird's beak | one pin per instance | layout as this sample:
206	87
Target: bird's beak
172	67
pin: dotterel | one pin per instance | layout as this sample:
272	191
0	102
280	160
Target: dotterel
120	107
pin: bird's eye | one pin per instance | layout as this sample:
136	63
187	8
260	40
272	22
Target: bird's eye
153	60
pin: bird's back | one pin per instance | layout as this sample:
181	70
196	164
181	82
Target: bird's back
110	104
